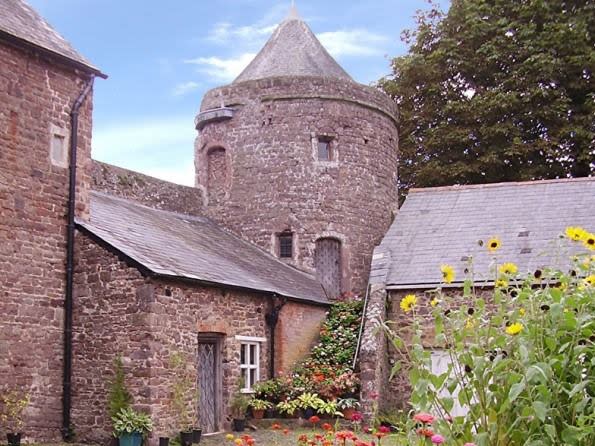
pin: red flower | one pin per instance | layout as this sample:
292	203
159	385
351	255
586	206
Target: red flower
384	429
424	418
357	416
425	432
276	426
314	419
327	427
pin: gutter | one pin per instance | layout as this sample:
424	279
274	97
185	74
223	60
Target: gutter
67	431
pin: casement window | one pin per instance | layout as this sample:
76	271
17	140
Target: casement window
285	242
58	146
249	361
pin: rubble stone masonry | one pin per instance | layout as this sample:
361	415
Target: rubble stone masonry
36	96
274	181
145	320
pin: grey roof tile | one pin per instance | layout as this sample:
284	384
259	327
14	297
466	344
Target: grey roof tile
178	245
20	20
292	50
444	225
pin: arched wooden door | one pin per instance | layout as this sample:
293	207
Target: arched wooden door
209	382
327	261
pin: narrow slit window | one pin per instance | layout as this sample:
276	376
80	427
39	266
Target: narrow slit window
324	150
286	245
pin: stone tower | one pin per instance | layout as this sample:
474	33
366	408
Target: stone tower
298	158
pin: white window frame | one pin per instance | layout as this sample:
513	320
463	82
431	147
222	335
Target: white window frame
440	361
249	342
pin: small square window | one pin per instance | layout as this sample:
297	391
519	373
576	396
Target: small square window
286	245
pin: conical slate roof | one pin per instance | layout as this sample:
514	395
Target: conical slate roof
293	50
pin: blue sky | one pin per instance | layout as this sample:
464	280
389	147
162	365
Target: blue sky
161	57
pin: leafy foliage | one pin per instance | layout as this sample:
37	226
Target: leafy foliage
496	90
522	361
128	421
119	397
12	405
183	391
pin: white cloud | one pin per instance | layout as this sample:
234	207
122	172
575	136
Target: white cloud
224	33
185	88
356	42
221	69
161	146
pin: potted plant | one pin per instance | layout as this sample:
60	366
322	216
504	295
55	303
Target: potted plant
13	404
182	393
131	426
258	407
309	403
119	397
287	407
239	405
348	406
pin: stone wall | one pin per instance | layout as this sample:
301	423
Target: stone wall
377	354
144	189
36	97
120	312
276	181
297	332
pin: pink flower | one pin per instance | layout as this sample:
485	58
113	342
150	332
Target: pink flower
357	416
437	439
424	418
469	444
384	429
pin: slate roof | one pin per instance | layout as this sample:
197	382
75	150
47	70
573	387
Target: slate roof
292	50
18	20
444	224
175	245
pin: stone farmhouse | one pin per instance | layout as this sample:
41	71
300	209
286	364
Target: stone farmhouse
294	204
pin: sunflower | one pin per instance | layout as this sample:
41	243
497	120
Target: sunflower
589	240
508	268
514	329
575	233
448	273
494	244
501	283
590	280
408	302
434	302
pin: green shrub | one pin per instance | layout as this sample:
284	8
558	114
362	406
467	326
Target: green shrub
522	360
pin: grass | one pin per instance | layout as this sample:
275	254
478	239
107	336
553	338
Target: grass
267	437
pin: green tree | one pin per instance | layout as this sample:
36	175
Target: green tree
496	90
119	396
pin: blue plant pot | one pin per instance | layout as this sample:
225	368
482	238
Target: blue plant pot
134	439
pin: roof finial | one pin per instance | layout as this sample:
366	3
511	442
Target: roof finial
293	12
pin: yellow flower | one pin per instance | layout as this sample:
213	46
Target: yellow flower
501	283
470	323
448	273
408	302
229	437
494	244
239	441
522	311
575	233
590	280
434	302
508	268
589	241
514	329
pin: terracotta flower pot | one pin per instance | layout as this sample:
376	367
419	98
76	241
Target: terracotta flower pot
258	414
348	413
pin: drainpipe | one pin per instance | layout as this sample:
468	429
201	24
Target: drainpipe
271	319
67	432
